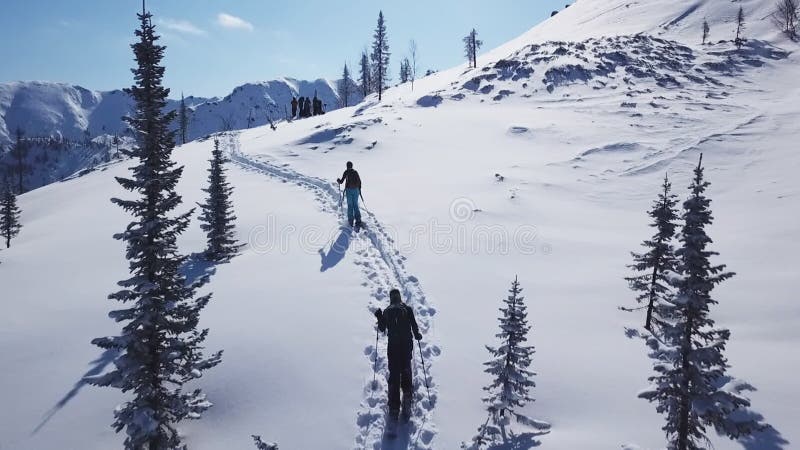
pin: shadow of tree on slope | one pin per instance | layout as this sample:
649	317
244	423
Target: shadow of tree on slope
196	269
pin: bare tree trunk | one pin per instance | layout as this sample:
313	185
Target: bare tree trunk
685	401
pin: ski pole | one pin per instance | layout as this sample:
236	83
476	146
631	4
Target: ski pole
375	363
424	371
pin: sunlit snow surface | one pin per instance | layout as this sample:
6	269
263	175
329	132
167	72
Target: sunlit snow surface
465	187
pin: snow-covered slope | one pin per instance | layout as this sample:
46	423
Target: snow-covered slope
465	188
45	109
249	105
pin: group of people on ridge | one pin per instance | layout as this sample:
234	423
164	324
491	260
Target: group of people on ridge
397	320
306	107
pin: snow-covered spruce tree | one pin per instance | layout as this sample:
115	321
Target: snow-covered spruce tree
740	25
217	218
159	347
690	386
183	120
706	30
654	267
365	74
380	57
345	87
9	214
512	381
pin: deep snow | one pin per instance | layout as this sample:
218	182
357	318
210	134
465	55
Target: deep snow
464	191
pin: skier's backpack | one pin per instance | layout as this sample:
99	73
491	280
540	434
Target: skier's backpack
397	325
356	178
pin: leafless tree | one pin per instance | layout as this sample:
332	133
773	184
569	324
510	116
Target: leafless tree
786	17
412	51
471	46
740	25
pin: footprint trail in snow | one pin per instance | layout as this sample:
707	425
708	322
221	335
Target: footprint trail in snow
383	268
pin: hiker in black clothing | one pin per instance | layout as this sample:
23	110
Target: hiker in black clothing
398	321
294	106
352	189
316	105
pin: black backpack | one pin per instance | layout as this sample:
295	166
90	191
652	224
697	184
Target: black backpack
397	324
353	179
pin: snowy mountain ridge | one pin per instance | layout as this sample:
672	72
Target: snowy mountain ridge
541	163
48	109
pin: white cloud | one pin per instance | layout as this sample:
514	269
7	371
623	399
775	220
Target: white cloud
237	23
181	26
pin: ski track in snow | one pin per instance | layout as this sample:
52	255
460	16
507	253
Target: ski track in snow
383	268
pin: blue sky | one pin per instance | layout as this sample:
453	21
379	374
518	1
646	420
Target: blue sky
216	45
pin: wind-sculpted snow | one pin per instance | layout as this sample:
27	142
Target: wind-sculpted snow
616	63
383	268
333	136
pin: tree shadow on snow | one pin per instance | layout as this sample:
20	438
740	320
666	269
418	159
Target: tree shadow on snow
336	251
98	366
197	270
767	439
520	441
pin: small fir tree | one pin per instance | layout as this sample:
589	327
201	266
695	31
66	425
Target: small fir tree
654	268
217	218
9	214
512	379
345	87
365	74
380	57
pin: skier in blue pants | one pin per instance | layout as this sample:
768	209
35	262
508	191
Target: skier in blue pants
352	190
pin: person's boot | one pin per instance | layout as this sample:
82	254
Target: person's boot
390	428
405	414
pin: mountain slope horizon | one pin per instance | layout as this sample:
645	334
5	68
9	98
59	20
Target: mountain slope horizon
56	109
539	164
